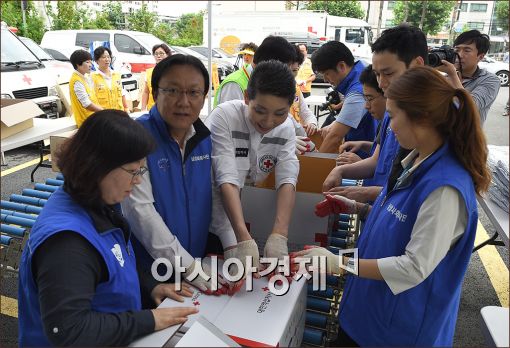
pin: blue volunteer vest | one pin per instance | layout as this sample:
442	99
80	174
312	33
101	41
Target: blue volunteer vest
424	315
367	125
119	294
182	190
388	149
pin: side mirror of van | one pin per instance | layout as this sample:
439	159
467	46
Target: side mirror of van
138	50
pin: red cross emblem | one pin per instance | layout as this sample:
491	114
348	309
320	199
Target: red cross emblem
196	303
265	288
27	79
267	163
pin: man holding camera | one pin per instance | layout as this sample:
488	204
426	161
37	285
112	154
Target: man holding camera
336	62
470	48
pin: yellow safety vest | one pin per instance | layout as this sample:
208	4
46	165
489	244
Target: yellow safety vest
79	112
305	71
148	77
295	111
106	97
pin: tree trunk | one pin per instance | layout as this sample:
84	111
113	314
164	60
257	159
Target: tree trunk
423	13
379	22
368	11
406	11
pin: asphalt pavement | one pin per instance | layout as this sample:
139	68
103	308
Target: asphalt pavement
485	284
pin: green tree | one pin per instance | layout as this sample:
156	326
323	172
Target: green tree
188	30
435	14
338	8
502	15
163	31
67	15
111	17
142	20
12	15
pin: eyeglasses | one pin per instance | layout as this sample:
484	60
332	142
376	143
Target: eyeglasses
159	54
139	172
370	99
192	94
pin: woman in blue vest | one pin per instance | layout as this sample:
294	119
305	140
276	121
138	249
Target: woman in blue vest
416	244
78	282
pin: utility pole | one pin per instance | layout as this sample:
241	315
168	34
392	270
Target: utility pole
379	22
23	10
368	11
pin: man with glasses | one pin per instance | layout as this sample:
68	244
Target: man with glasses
170	211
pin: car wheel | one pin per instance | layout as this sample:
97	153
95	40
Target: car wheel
503	77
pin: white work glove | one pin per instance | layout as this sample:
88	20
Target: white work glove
304	144
332	260
199	282
276	246
335	204
248	248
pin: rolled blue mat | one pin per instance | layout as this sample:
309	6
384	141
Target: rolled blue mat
313	336
20	207
54	182
15	220
15	213
340	234
332	280
318	304
337	242
341	225
27	200
36	193
328	293
60	176
344	217
316	319
12	230
349	182
44	187
5	240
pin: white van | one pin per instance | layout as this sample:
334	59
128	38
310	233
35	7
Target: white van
131	48
23	76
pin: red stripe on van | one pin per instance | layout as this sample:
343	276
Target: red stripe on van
139	67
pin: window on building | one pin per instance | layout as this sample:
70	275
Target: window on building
84	39
125	44
391	5
388	23
464	7
478	8
475	25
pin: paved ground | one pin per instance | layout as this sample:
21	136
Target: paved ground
486	282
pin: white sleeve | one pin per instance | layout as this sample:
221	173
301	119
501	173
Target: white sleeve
230	91
220	223
81	94
148	226
287	167
223	149
306	114
435	231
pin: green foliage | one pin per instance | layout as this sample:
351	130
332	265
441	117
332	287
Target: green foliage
340	8
188	30
142	20
437	14
12	15
68	15
502	14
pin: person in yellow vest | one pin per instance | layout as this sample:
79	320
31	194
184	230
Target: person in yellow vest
107	83
83	98
160	52
305	75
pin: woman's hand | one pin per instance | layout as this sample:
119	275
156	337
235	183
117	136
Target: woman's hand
162	291
166	317
310	129
347	158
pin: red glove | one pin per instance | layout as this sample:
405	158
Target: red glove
335	205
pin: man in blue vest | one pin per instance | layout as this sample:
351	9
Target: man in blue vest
395	51
336	63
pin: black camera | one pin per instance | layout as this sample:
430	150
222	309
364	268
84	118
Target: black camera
442	53
333	97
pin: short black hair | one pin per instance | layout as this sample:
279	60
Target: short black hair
300	57
98	52
163	46
330	54
482	41
275	48
177	59
106	140
78	57
368	77
404	40
273	78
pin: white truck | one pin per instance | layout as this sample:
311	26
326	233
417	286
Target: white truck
231	28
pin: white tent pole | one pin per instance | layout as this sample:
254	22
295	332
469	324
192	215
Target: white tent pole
209	45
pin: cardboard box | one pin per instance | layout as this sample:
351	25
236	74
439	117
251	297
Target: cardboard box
314	167
203	333
17	115
56	142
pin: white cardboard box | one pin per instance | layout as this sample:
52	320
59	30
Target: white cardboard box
205	334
